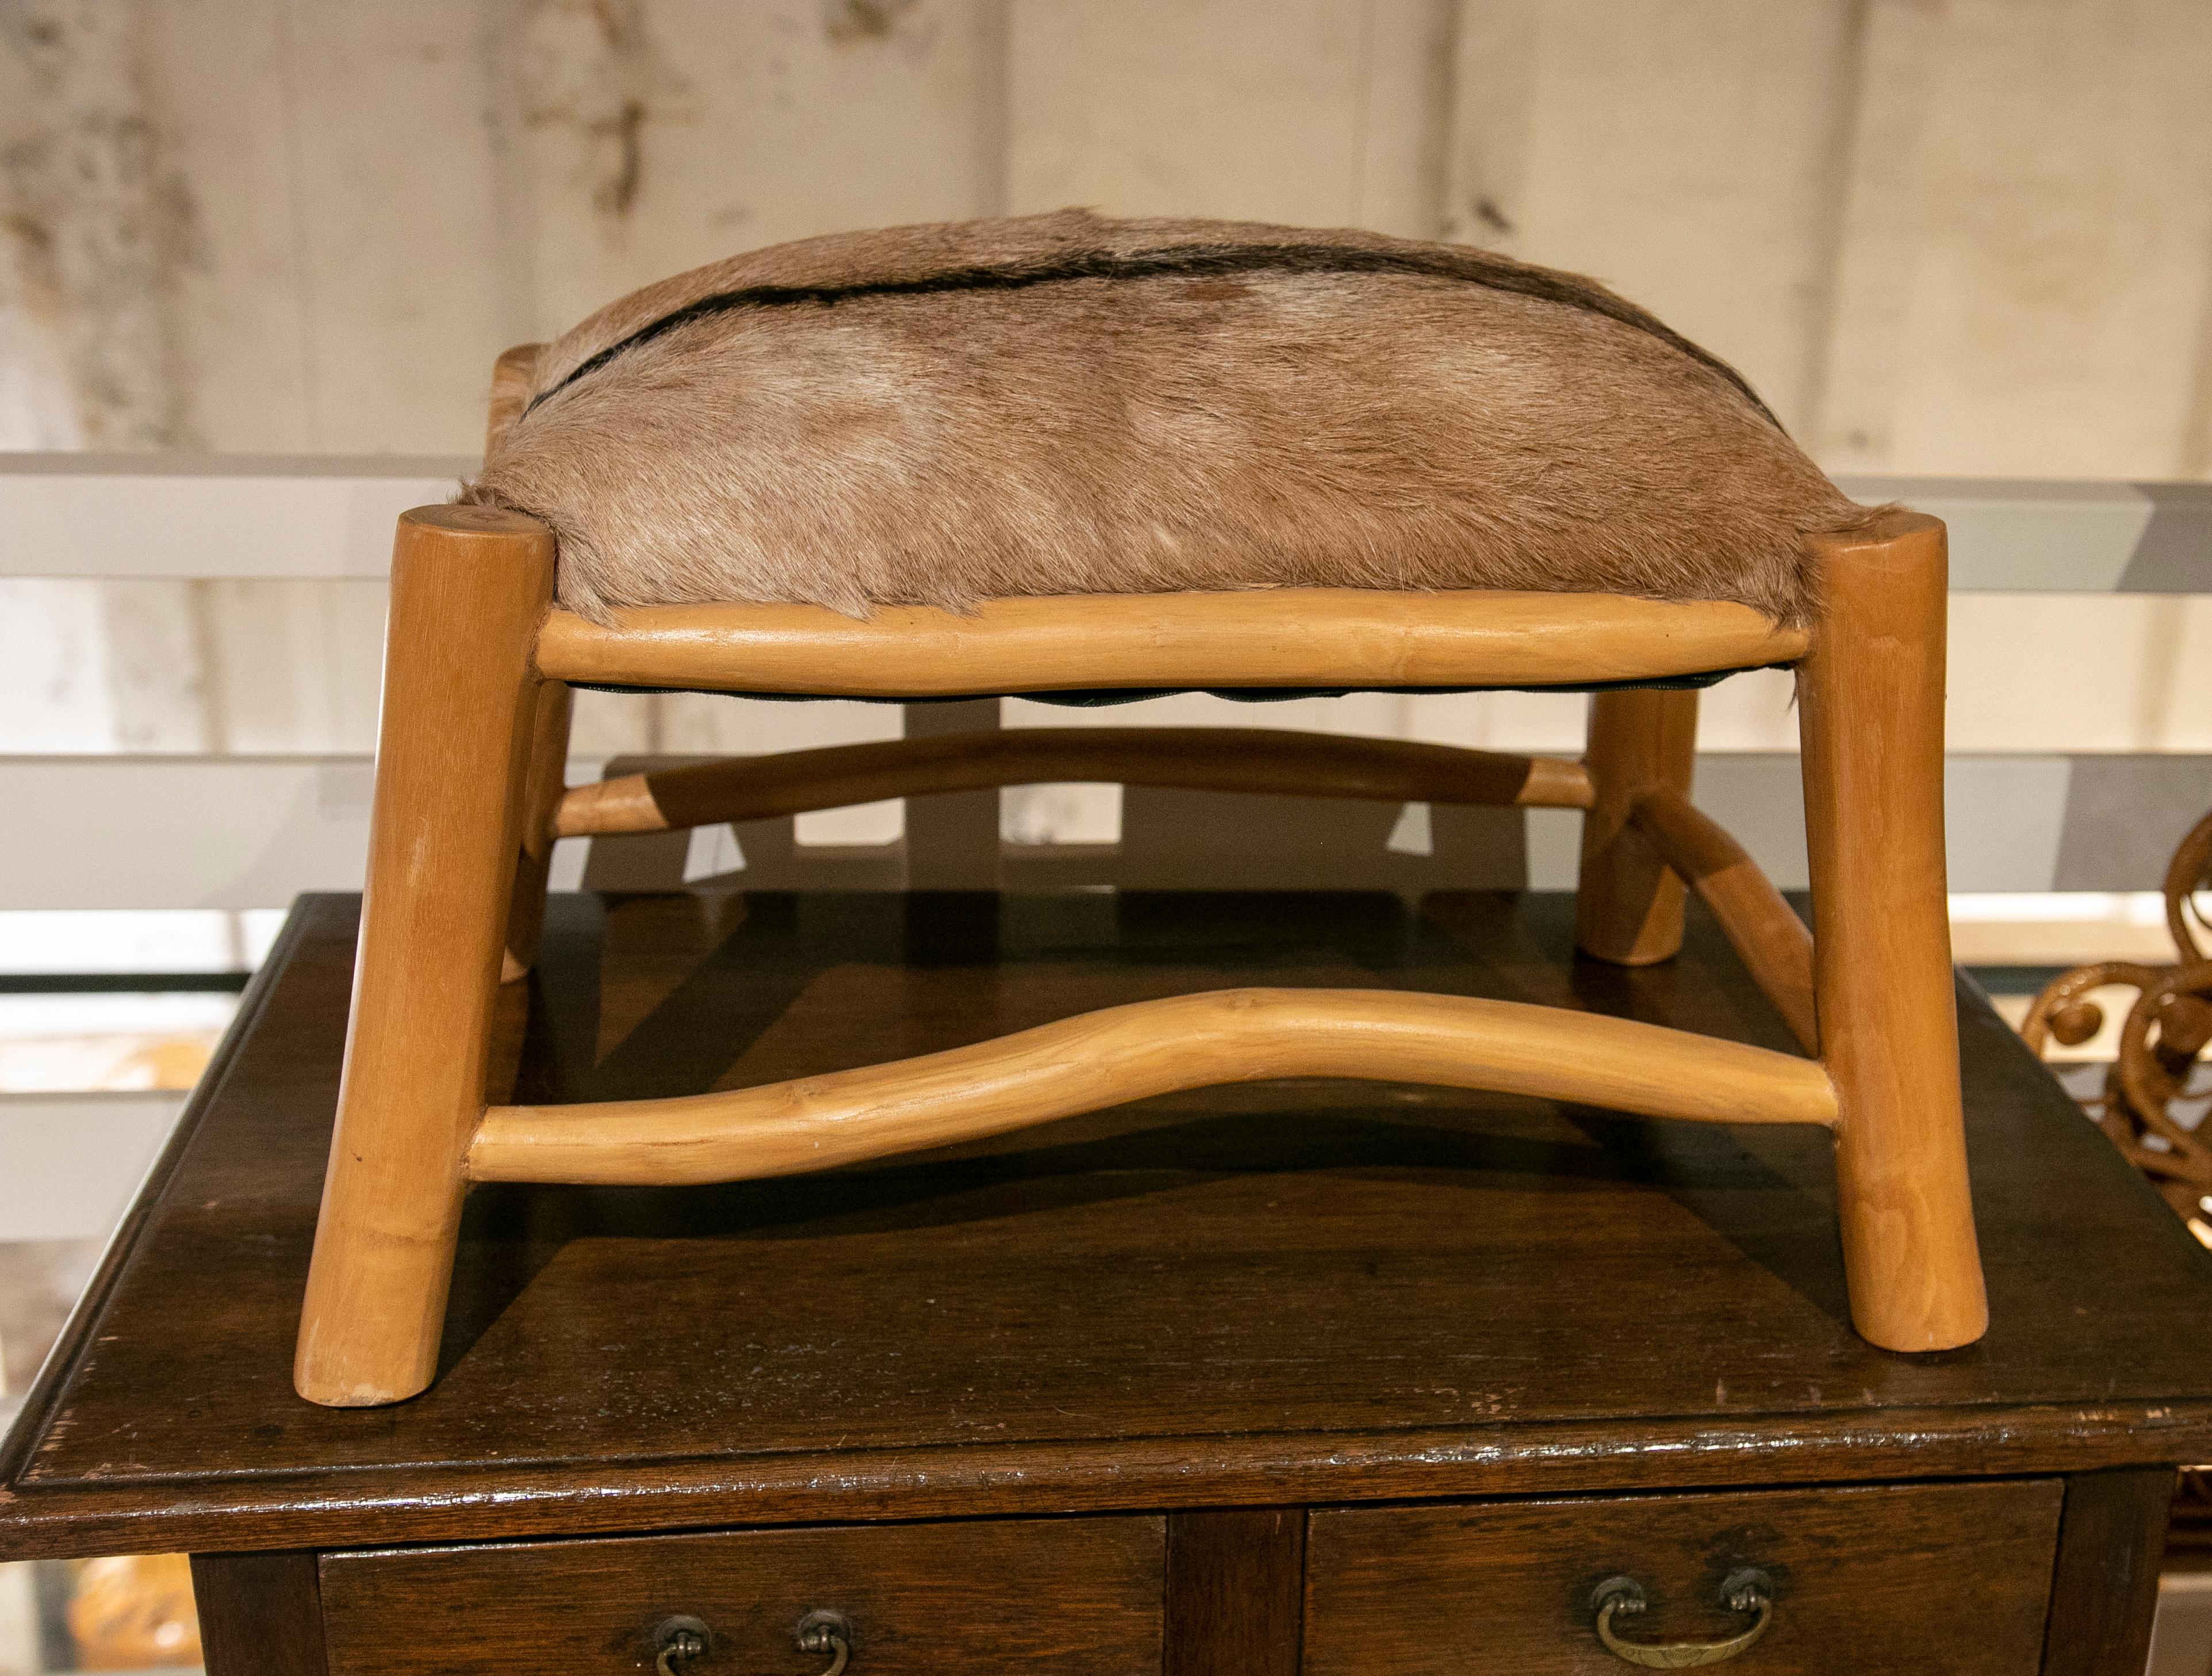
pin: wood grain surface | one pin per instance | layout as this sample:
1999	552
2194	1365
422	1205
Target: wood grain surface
1236	1592
460	707
260	1614
1628	903
1772	943
2103	1591
1930	1578
1287	636
1142	1050
1248	759
1871	703
1077	1597
1246	1296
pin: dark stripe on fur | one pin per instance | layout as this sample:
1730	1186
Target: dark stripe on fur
1192	261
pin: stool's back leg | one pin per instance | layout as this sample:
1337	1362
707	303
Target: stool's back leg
1628	905
1871	699
470	586
542	789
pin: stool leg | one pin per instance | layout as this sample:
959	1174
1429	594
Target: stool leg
470	586
1870	698
1628	904
546	781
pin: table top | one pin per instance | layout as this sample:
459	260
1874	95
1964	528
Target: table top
1275	1293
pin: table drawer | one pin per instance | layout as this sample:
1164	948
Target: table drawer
1950	1578
1078	1597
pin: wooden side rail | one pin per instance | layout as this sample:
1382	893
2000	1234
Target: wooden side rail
1252	760
1292	636
1770	939
1134	1052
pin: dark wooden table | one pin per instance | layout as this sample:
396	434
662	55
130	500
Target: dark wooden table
1311	1376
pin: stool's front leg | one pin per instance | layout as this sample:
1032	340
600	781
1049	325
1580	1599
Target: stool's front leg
1628	904
470	586
1871	699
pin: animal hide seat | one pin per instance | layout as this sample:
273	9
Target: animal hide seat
1067	404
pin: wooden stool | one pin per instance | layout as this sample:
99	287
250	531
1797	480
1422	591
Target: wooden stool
470	801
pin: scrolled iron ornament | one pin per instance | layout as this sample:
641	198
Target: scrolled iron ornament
2160	1041
2166	1032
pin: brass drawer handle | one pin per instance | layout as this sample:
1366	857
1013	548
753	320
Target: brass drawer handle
827	1632
1623	1597
679	1640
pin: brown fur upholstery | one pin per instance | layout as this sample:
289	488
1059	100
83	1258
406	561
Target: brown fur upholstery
1064	403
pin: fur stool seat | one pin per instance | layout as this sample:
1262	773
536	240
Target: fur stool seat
1064	403
1066	456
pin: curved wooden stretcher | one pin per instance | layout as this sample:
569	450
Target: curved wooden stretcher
470	801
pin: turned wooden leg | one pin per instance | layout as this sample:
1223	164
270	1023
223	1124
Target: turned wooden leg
1870	697
1628	905
546	780
470	586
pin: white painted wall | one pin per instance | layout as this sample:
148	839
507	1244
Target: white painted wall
1943	236
75	1160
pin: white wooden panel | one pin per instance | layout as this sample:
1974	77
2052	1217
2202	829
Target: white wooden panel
242	834
37	405
615	724
2123	673
2009	536
1974	235
333	515
100	666
21	1653
714	724
1756	712
53	667
710	724
296	665
156	678
43	942
210	516
2059	927
2181	1635
75	1160
276	665
154	832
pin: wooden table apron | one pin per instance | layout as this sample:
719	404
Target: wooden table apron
1224	1307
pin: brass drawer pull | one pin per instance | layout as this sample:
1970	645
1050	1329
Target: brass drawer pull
681	1639
678	1640
827	1632
1623	1597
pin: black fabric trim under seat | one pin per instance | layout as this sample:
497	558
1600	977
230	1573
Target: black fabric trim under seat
1103	697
